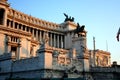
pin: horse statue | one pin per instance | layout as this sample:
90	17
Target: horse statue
68	18
79	28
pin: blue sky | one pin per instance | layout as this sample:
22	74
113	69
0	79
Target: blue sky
100	17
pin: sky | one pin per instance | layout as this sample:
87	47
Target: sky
100	17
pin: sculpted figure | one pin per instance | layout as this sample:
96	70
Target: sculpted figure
55	53
7	38
68	18
79	28
46	38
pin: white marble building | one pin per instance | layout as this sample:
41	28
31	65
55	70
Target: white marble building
34	48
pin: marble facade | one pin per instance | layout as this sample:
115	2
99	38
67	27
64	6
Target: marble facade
34	48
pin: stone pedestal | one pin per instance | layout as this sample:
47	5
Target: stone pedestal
45	54
79	44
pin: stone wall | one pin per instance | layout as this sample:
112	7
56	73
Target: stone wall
25	47
24	68
28	64
106	73
5	66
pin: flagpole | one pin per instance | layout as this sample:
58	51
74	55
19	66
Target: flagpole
94	50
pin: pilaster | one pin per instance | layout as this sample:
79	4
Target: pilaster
58	41
2	43
25	48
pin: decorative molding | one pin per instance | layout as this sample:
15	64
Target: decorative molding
32	21
14	32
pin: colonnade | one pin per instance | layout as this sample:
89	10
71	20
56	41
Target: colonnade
55	39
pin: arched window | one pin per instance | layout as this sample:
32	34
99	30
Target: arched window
2	11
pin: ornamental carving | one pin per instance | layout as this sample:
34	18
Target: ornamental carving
55	53
45	38
61	58
105	61
101	61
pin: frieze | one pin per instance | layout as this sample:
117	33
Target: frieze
28	19
102	61
38	26
61	58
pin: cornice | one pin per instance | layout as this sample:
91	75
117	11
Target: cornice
34	42
7	30
71	23
32	21
103	52
41	27
4	4
13	44
100	52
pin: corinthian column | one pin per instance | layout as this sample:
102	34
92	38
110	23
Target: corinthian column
50	39
33	33
54	41
40	36
61	41
36	34
58	41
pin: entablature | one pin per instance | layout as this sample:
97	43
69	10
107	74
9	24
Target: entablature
13	32
32	21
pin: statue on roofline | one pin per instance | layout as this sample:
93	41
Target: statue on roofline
68	18
79	28
118	33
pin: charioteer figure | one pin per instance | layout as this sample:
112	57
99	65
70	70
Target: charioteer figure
68	18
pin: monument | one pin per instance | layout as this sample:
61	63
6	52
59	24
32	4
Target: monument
34	48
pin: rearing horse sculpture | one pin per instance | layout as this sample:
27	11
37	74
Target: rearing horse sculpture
79	28
68	18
